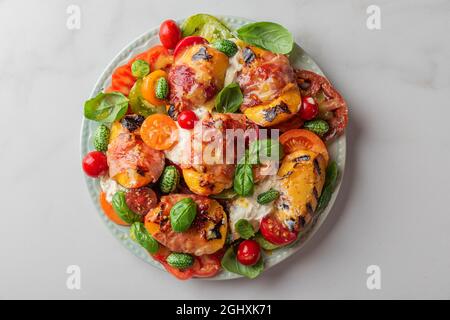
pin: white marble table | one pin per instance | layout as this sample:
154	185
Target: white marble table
392	210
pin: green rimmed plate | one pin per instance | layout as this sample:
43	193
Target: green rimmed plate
299	58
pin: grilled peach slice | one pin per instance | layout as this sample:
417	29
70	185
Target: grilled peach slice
206	235
302	176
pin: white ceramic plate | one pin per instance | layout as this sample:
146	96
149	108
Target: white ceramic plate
299	58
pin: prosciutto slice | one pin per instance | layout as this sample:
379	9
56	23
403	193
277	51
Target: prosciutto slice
128	151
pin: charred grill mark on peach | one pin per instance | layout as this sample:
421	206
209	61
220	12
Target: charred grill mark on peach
215	232
202	54
272	113
317	167
173	112
309	208
301	221
132	122
315	193
302	158
287	174
141	171
248	55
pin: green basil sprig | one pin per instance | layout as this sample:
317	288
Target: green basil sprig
106	107
231	264
267	35
183	214
229	99
139	234
265	149
243	177
244	228
120	207
330	183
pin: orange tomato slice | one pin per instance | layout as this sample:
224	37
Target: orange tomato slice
159	132
149	85
302	139
109	210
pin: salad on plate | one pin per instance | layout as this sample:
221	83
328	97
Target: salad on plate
212	148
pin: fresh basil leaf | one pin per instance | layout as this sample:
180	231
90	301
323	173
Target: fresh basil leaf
266	245
265	149
244	228
267	35
243	177
120	207
231	264
325	197
332	174
106	107
139	234
330	183
183	214
229	99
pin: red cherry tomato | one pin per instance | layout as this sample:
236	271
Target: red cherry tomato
186	119
187	42
206	266
275	232
169	34
95	164
309	108
248	252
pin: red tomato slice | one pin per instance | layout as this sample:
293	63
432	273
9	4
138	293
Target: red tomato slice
302	139
161	256
179	274
157	57
206	266
187	42
332	107
123	80
275	232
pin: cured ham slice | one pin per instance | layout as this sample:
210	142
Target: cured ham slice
197	76
132	163
268	84
206	235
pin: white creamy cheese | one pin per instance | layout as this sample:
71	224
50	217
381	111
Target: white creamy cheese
180	153
248	208
201	112
233	68
109	187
